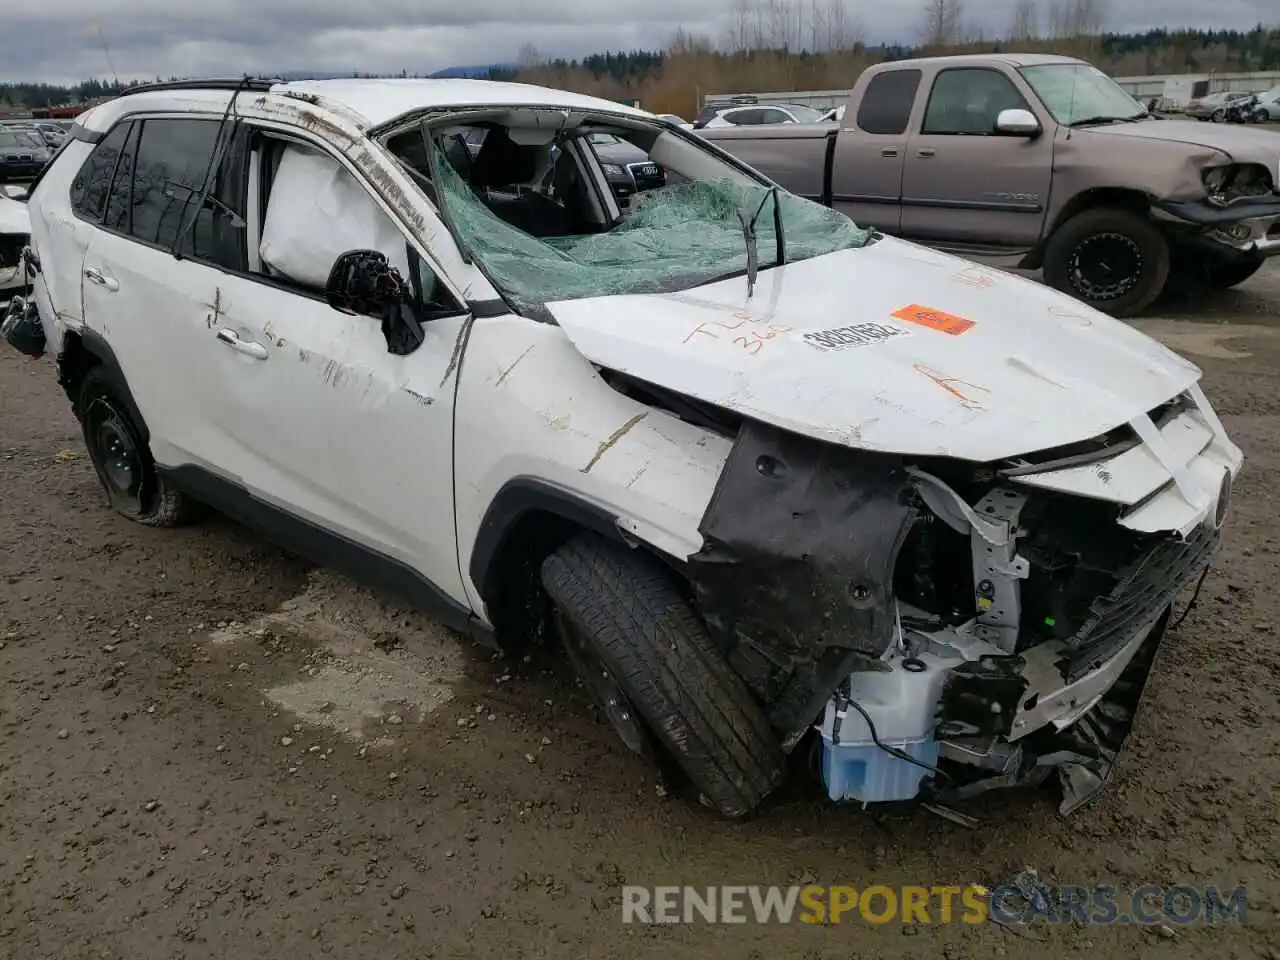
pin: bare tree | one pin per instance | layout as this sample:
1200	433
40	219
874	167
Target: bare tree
739	34
779	24
942	23
529	57
1076	18
841	30
817	41
1024	21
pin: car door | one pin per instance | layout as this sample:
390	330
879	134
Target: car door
964	182
349	443
154	309
867	166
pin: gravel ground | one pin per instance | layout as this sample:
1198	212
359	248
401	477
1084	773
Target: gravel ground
212	750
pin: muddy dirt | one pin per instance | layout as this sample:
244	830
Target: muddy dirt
212	750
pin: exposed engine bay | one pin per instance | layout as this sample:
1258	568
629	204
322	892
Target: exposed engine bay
945	627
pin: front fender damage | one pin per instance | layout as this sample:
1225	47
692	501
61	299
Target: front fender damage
943	630
796	573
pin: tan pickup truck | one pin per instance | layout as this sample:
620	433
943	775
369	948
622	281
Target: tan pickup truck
1040	160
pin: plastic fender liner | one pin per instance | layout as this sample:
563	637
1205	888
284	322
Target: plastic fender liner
519	497
94	344
795	577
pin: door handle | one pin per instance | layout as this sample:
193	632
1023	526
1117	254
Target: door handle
926	152
101	279
888	151
247	347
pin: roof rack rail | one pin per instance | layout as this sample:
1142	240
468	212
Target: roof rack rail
218	83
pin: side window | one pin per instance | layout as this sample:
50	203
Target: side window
317	210
967	101
119	214
91	184
774	116
887	102
744	118
173	158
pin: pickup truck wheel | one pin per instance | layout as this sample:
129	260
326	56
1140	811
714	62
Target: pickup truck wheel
1114	260
121	458
645	655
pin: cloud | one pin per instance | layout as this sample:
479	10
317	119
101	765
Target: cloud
59	40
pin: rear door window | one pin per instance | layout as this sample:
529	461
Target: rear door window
91	185
887	102
173	158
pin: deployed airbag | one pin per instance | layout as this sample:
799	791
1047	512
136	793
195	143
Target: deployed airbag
316	211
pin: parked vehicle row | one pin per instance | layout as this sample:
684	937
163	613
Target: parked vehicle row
1238	106
775	481
1042	160
23	154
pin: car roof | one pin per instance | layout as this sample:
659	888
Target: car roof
982	59
367	103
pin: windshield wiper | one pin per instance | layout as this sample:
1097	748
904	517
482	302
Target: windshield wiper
750	237
1094	121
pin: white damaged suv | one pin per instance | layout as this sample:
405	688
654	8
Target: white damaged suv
776	482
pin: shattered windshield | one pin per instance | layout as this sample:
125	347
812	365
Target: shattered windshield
683	234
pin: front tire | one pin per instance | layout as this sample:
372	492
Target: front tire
644	653
122	459
1218	116
1114	260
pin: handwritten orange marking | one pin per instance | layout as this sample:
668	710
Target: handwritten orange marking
947	323
752	340
949	384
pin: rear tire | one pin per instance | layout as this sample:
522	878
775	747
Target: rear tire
122	459
647	654
1114	260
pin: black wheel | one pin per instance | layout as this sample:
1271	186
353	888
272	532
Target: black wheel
646	657
1221	274
122	460
1218	116
1113	260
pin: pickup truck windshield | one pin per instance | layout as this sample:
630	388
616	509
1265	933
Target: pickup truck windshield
675	237
1075	92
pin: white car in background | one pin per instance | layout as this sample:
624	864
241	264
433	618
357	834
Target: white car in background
763	114
15	233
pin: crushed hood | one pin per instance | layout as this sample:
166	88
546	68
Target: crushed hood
14	217
890	347
1238	141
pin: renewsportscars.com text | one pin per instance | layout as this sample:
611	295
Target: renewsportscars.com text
970	904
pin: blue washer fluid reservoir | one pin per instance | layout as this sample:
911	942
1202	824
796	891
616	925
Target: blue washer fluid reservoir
902	703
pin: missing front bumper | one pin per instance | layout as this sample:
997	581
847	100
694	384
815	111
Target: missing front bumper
1082	754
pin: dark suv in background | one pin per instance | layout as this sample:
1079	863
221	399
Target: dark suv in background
627	168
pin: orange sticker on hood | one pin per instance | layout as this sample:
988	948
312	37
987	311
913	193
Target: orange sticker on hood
947	323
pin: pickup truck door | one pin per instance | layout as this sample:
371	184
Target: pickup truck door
965	183
866	177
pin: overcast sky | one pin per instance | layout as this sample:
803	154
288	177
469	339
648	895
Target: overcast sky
58	40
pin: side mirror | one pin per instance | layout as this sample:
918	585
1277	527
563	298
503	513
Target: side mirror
364	282
1017	123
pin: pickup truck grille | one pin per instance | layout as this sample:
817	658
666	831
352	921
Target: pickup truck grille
1138	598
